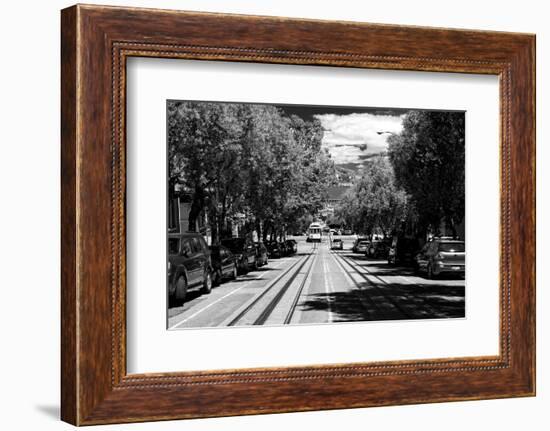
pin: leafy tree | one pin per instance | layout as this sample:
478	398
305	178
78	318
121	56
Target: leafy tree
314	172
348	210
205	151
248	160
428	160
375	204
269	164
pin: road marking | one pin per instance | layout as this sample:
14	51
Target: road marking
346	275
181	322
375	308
328	289
304	287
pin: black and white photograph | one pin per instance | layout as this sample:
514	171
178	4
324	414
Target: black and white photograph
306	214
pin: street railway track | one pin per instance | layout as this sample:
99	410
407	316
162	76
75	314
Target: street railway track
375	311
292	309
389	299
274	302
279	302
430	310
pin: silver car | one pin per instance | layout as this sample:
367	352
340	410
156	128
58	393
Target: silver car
442	257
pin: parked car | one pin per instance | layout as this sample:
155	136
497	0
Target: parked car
292	246
360	245
261	254
273	249
244	251
347	232
402	250
189	265
378	249
224	264
284	248
337	244
441	256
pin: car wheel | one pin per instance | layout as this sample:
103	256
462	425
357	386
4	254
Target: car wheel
207	284
181	290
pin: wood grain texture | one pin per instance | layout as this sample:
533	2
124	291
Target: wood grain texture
96	41
69	397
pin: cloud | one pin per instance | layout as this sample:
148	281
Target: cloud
349	138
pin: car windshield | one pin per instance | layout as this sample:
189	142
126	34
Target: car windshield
234	243
451	247
173	245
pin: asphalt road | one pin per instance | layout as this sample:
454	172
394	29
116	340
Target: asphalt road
318	285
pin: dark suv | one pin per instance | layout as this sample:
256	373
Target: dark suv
402	250
189	265
244	250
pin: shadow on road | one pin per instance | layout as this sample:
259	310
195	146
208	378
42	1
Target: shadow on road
421	301
345	306
381	267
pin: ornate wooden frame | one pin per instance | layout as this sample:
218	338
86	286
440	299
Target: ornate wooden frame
95	43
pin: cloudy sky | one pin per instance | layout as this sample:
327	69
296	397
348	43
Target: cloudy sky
351	138
351	133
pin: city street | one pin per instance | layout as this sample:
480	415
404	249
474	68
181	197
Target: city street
319	285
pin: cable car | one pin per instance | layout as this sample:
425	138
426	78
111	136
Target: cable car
314	232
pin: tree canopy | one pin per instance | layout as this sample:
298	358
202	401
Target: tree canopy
428	161
250	160
374	204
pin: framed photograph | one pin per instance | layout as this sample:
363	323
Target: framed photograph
264	214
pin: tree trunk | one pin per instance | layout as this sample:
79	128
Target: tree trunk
215	228
267	231
258	227
221	219
452	226
197	206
